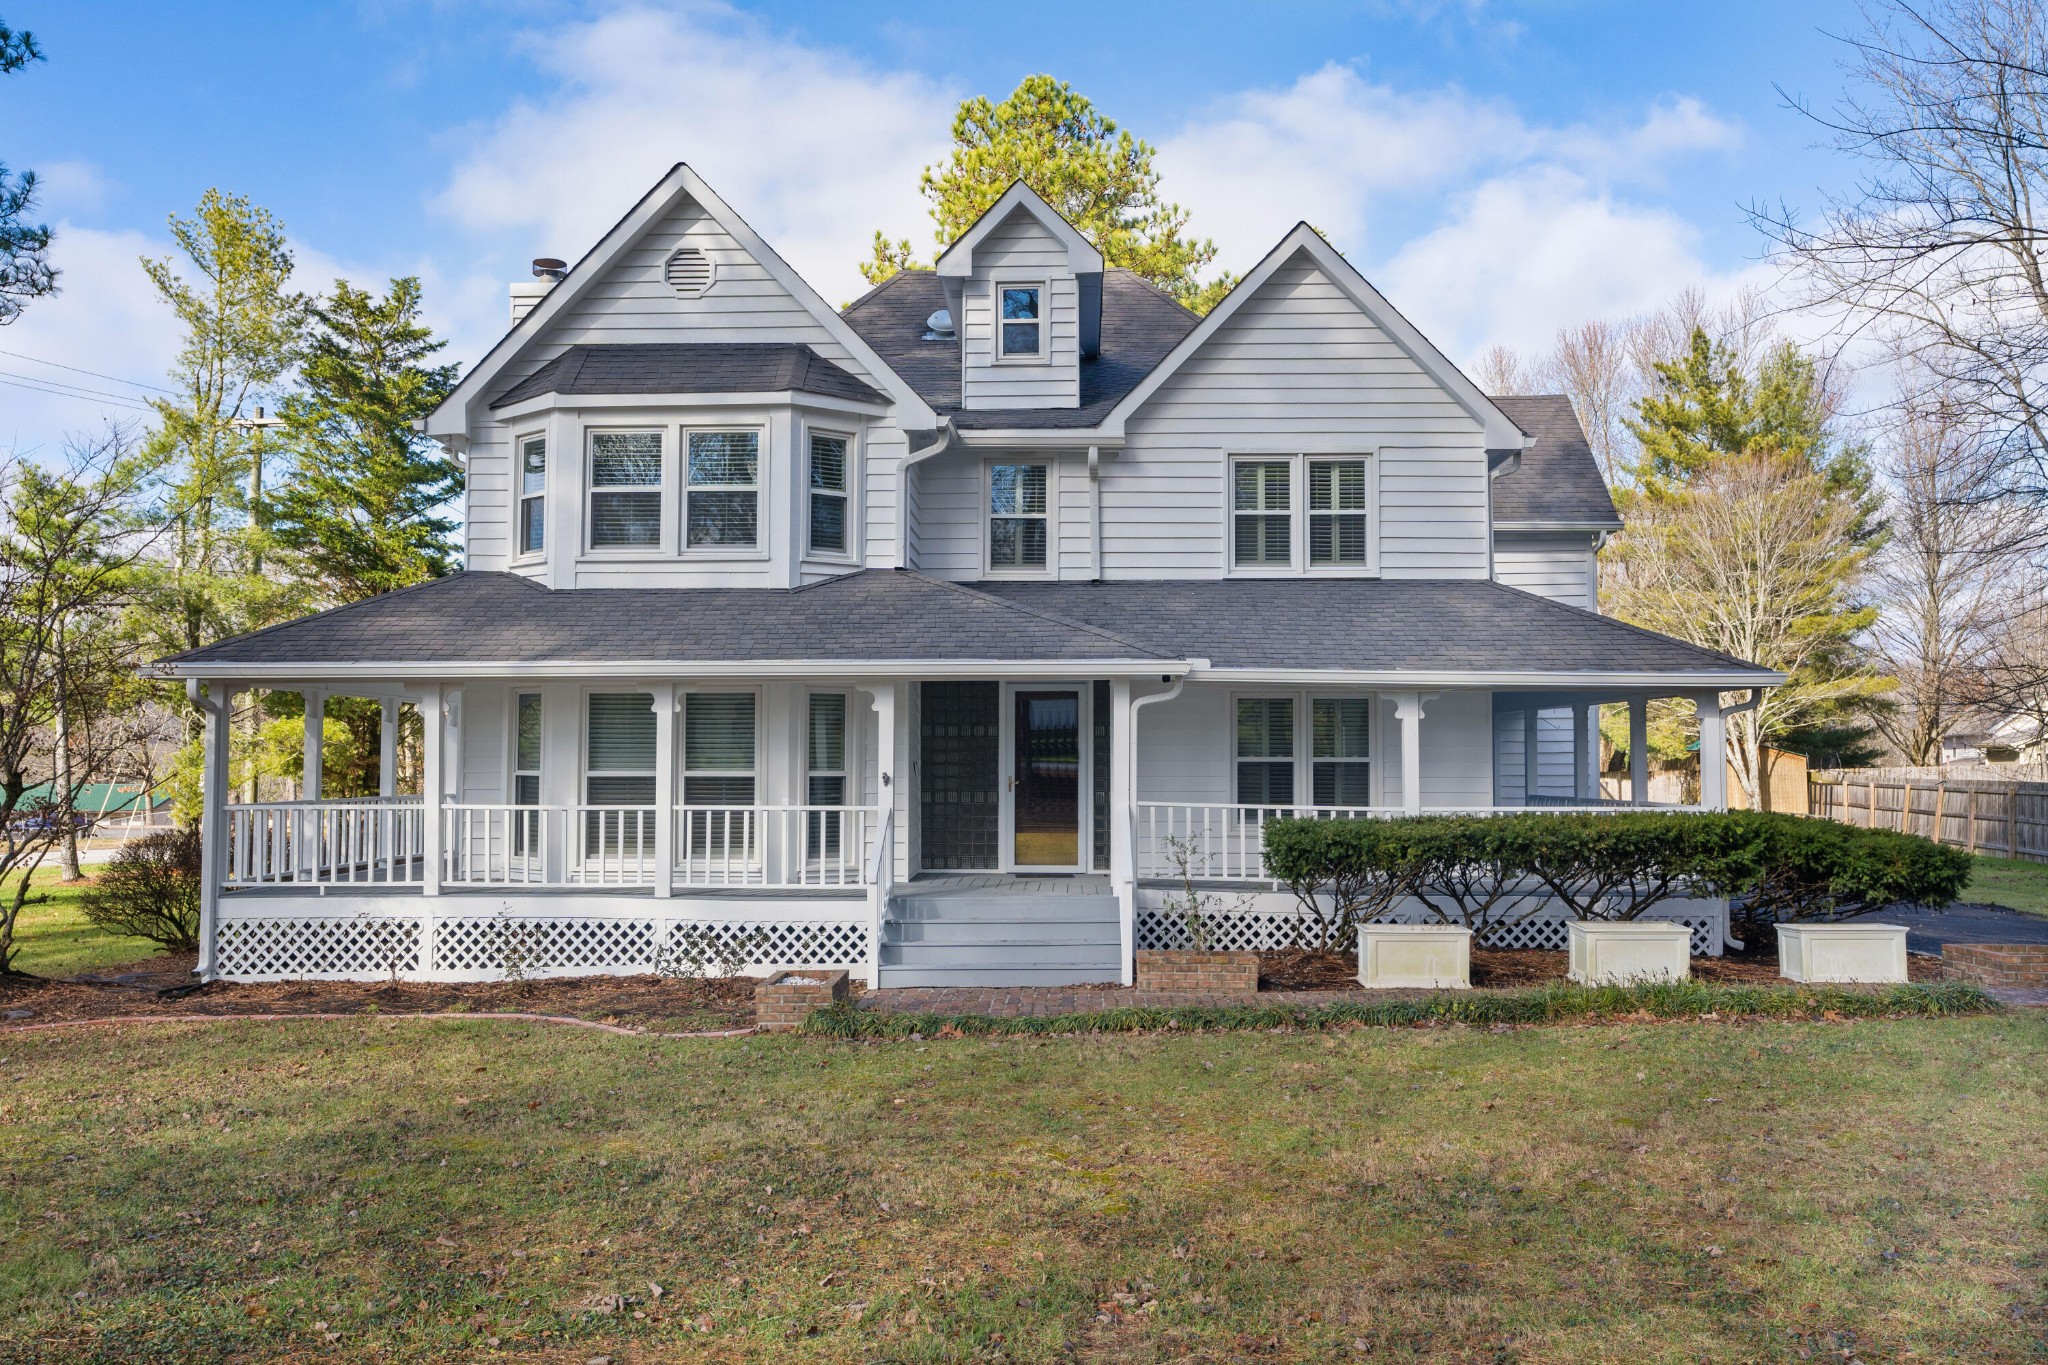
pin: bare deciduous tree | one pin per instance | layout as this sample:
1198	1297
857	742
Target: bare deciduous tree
1940	252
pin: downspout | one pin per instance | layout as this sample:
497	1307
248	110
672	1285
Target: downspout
946	436
1125	879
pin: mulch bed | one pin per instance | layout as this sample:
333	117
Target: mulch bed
633	1001
1298	969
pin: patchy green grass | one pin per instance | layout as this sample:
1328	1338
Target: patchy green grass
2010	882
402	1191
56	939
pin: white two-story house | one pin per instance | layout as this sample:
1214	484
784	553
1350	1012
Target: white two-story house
928	636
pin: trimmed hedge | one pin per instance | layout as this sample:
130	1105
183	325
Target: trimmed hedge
1559	1003
1490	871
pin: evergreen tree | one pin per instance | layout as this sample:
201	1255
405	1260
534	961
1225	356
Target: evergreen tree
1096	175
365	508
1749	528
25	270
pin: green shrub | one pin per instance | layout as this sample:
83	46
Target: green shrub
150	890
1487	872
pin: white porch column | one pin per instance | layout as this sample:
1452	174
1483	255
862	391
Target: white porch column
1123	817
665	701
1639	751
217	707
1408	710
1713	752
434	779
387	747
316	712
1582	758
1532	769
888	788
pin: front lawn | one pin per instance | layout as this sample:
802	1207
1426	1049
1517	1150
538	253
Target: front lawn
55	938
2009	881
400	1190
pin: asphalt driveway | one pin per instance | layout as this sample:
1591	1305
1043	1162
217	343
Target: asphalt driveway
1927	930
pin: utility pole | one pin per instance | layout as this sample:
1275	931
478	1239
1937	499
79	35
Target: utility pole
258	524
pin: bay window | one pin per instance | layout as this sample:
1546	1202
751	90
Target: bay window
722	490
828	491
625	489
533	480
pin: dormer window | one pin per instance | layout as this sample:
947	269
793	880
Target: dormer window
1023	323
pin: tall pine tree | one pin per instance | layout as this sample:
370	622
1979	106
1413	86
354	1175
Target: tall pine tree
365	509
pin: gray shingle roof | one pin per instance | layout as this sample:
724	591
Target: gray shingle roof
1367	625
876	614
1140	326
690	367
1558	479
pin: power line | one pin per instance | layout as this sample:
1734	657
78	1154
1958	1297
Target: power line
81	397
75	388
132	383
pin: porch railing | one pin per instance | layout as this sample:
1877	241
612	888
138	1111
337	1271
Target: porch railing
375	841
347	842
1228	842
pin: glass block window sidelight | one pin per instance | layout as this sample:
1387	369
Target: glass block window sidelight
723	493
625	489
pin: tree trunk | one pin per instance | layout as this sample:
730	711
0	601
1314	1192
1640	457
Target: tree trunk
72	871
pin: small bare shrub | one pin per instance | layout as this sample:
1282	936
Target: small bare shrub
150	890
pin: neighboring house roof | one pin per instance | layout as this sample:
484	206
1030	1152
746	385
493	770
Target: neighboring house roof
1370	625
690	367
501	618
1434	626
109	798
1140	326
1558	482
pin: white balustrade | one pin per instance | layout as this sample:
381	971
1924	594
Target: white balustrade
324	843
773	846
1220	843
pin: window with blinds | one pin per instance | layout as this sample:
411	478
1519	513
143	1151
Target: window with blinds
826	773
1017	506
526	751
619	759
1340	751
533	487
1336	512
718	749
1263	513
828	494
722	496
625	489
1265	751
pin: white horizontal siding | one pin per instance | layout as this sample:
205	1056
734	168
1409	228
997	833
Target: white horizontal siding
481	739
1554	765
1554	565
951	513
1021	249
1299	365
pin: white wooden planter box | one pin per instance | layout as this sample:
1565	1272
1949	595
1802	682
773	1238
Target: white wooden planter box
1842	952
1607	953
1411	956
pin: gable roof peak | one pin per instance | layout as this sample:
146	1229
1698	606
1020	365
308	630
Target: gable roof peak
957	260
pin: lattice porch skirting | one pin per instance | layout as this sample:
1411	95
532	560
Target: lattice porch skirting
1253	930
471	946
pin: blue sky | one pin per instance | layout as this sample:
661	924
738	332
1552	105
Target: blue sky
1499	169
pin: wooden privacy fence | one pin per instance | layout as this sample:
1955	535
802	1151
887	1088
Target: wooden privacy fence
1984	814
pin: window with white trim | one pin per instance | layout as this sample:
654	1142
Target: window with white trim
533	487
1265	751
722	490
1018	515
526	732
1340	751
1262	510
718	772
828	491
625	489
1336	512
1020	321
619	750
825	773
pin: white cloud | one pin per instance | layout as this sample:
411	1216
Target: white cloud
105	319
1481	226
813	147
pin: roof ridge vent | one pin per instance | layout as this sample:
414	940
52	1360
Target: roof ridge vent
689	271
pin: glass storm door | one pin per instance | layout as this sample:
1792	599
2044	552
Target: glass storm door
1045	779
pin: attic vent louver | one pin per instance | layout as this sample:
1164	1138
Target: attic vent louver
689	272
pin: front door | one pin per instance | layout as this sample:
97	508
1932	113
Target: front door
1045	779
